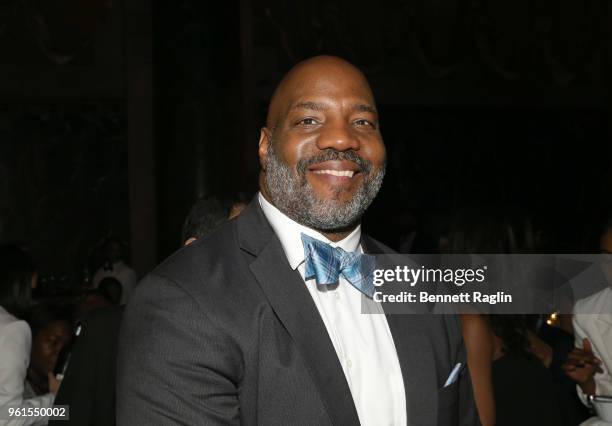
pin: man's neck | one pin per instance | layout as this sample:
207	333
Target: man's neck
333	236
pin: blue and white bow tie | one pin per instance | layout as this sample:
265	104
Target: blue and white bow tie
325	263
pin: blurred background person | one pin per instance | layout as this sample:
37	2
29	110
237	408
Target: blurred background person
235	204
205	215
51	332
114	266
466	236
480	230
500	347
88	386
552	344
590	363
209	212
478	338
17	277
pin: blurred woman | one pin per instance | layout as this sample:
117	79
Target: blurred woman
507	363
17	278
480	230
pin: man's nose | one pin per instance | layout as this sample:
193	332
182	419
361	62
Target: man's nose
338	136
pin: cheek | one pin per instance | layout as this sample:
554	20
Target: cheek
374	151
53	346
48	349
292	149
40	356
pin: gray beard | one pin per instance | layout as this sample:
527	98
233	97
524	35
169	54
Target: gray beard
292	194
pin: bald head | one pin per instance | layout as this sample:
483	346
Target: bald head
317	75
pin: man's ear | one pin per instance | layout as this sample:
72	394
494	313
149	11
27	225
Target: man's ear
265	139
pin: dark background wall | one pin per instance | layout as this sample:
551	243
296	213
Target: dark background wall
63	140
117	116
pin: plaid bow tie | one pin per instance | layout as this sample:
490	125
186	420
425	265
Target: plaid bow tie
325	263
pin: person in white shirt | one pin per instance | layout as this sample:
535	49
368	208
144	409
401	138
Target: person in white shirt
590	363
115	267
17	277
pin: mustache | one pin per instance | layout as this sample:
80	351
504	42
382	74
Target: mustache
331	154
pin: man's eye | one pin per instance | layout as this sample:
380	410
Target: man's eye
363	122
308	121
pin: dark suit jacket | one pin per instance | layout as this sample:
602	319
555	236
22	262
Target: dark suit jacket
89	383
225	332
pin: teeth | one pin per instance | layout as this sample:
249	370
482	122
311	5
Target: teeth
347	173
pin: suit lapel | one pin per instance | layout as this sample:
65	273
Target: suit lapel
290	300
417	363
415	353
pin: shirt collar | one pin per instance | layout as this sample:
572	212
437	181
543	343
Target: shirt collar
288	232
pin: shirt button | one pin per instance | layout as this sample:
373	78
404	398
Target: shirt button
337	296
349	363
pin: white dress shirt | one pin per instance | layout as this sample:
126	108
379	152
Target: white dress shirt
593	320
363	342
15	343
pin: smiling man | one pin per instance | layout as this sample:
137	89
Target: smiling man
261	323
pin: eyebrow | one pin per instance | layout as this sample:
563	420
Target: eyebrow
314	106
364	108
317	106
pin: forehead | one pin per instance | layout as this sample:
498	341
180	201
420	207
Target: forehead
55	327
326	81
338	86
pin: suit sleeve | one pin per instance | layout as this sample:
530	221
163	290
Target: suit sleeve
468	413
175	366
